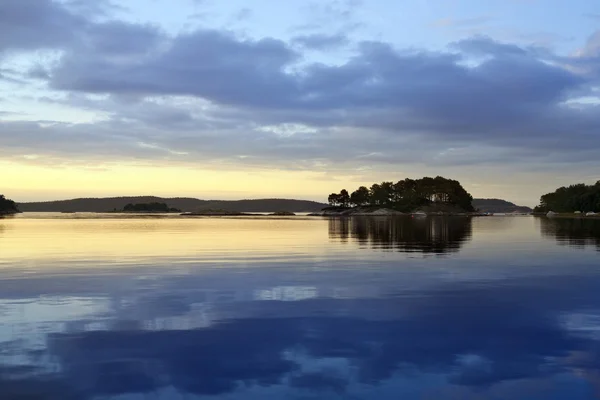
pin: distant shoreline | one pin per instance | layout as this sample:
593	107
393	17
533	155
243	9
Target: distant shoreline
567	215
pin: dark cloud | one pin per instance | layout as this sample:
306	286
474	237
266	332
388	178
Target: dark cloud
209	64
97	8
477	92
37	24
119	39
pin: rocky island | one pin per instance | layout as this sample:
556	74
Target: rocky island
7	206
437	196
579	200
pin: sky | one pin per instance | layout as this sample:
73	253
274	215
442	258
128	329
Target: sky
296	99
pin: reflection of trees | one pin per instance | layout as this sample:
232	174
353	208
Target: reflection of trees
578	232
426	235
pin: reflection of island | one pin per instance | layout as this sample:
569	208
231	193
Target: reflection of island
577	232
425	235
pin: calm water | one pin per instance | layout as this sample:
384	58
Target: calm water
114	307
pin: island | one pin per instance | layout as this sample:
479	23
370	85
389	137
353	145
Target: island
492	206
189	204
7	206
150	208
415	196
575	200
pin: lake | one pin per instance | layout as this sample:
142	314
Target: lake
112	306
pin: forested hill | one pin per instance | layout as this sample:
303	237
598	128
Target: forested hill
579	197
181	203
498	206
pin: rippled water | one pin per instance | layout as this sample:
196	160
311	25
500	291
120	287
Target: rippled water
119	307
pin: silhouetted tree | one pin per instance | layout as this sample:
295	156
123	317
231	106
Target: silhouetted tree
408	194
378	195
341	199
360	196
344	198
579	197
7	206
333	199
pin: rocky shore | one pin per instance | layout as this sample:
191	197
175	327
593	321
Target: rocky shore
387	212
4	213
358	212
214	213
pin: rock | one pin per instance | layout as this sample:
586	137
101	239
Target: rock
357	212
282	213
214	213
551	214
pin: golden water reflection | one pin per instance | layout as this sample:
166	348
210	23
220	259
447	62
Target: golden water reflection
120	240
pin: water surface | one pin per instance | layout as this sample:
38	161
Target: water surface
118	307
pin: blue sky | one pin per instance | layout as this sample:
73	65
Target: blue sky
296	98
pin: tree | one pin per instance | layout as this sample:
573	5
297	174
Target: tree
378	195
7	206
360	196
408	194
344	198
333	199
341	199
578	197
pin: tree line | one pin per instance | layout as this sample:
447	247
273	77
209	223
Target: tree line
579	197
7	205
405	195
149	207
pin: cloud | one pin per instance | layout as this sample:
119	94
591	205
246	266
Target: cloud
321	41
243	14
219	95
37	24
206	63
93	9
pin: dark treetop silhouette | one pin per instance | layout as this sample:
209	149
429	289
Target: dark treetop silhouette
579	197
7	206
149	207
406	195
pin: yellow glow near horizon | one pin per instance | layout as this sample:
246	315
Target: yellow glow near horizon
29	182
